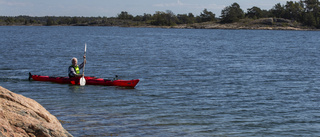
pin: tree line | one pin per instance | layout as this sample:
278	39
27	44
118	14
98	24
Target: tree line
306	12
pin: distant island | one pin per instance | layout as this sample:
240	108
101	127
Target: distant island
302	15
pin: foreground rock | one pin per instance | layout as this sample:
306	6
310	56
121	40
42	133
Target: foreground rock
21	116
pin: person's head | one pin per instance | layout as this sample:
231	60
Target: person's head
74	61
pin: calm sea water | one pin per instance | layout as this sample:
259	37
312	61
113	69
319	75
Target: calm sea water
193	82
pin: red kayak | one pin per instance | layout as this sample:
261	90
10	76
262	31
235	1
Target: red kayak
89	81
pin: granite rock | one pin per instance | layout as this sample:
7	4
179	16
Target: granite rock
21	116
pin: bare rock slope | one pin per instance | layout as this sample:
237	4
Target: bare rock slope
21	116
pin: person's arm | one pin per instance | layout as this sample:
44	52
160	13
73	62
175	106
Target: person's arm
84	62
78	75
81	65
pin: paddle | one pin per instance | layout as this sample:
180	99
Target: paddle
82	79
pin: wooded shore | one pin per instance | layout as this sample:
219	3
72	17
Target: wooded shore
249	24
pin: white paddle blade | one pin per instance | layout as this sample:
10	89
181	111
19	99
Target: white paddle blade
82	81
85	47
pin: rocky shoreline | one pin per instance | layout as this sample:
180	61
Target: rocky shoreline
248	24
22	116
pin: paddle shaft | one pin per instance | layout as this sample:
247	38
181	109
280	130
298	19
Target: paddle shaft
85	50
82	79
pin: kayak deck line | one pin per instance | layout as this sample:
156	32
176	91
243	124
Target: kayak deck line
89	80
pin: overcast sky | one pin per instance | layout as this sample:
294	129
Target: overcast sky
111	8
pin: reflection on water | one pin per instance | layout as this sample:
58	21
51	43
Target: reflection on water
77	88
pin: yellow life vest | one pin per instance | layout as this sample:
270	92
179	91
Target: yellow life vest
76	68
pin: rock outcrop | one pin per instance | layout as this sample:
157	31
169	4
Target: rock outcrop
250	24
21	116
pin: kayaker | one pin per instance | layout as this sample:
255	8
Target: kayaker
74	69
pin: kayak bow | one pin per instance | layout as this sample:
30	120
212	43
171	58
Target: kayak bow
89	81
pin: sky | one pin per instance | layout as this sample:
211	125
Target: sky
111	8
